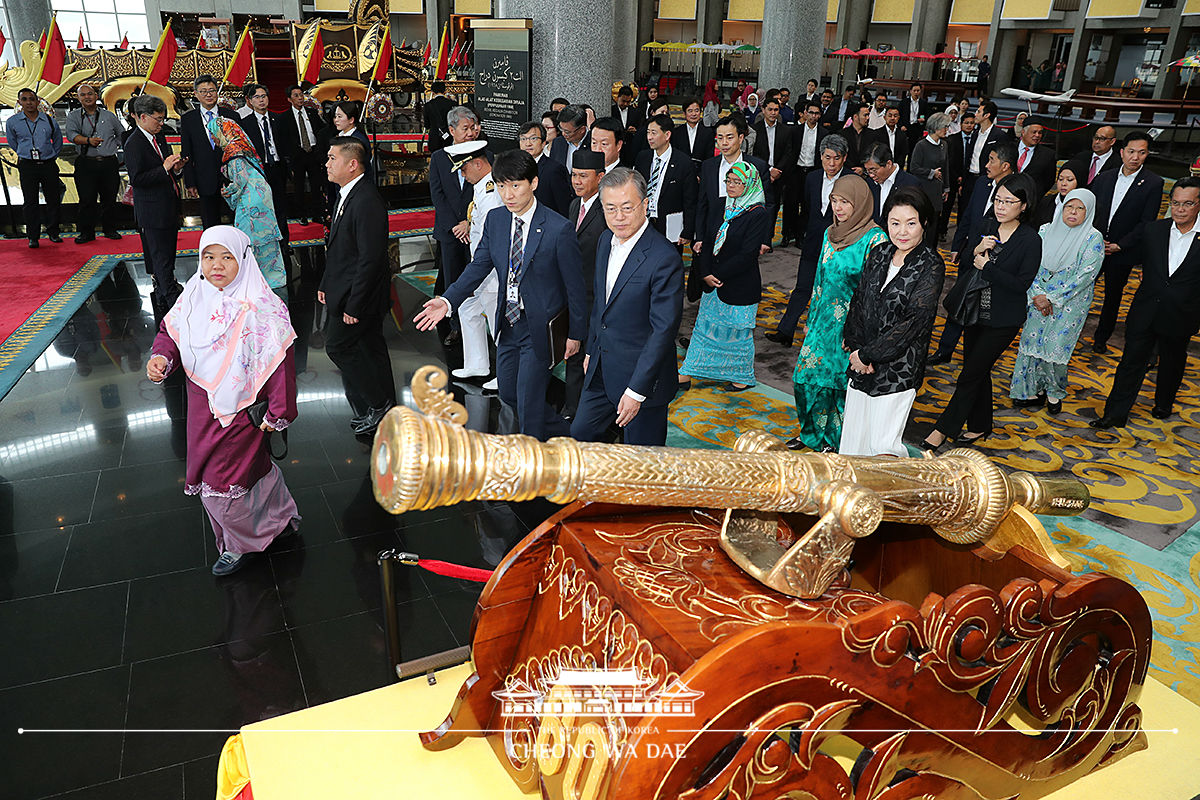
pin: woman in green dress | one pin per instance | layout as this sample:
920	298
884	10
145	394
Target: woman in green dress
820	378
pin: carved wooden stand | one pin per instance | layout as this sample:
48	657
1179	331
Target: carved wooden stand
927	670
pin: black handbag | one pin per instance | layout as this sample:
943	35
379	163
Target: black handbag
258	413
963	301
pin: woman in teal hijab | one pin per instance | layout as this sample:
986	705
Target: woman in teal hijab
722	342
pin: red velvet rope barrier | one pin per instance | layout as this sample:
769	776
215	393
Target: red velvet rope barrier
454	570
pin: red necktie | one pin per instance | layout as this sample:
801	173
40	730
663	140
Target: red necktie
582	213
1021	160
1095	167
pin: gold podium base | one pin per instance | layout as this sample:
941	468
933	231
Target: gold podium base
366	747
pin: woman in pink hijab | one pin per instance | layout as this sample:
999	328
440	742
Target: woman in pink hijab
233	338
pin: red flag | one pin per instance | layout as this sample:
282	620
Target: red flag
443	56
312	68
54	58
79	45
454	53
42	41
404	43
385	57
242	61
3	41
125	42
463	57
164	57
428	52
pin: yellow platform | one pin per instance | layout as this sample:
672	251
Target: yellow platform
366	747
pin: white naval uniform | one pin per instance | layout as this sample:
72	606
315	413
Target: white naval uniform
474	313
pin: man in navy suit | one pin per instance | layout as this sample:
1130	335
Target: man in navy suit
535	256
573	135
817	187
554	182
1100	157
588	219
710	201
630	366
202	170
693	137
1126	199
451	195
1165	312
302	150
267	132
886	176
153	170
670	181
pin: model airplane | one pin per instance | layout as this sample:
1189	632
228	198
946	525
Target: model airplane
1030	97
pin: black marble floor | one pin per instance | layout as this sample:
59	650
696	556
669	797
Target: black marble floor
117	638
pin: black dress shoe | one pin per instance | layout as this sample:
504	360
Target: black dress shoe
1108	422
1100	347
84	239
779	338
1158	412
33	243
733	387
373	418
54	237
116	237
967	439
939	358
1032	402
1053	407
451	339
795	444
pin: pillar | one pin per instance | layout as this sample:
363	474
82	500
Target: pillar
1081	43
1005	59
1177	39
645	30
437	14
792	42
28	19
572	49
625	43
935	22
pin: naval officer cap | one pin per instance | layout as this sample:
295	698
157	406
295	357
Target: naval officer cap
463	152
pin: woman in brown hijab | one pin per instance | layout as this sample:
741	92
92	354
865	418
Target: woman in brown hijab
820	377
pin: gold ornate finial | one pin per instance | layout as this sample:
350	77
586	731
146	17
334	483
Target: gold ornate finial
427	459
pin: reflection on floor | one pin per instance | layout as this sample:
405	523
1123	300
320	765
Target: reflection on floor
108	612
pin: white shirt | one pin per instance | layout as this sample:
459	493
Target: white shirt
482	202
893	271
153	141
207	114
618	253
914	109
624	112
876	120
302	123
1178	247
692	130
348	131
586	205
976	165
885	189
808	145
1120	190
1100	160
771	143
891	134
826	189
344	192
571	148
726	165
1024	156
665	158
525	218
272	152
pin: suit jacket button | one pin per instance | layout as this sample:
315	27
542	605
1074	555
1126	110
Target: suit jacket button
604	327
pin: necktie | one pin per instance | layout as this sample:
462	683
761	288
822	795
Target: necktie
208	116
157	149
655	174
516	258
267	140
1095	168
582	214
305	142
1022	159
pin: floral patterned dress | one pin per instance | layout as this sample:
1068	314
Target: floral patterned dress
819	381
250	198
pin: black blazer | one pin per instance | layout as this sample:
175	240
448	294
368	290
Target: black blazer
357	278
1047	206
450	201
558	147
1139	207
900	148
704	147
785	154
995	136
859	142
679	187
202	171
1011	274
710	206
890	326
631	336
1042	167
254	133
915	126
1083	161
970	223
436	124
635	117
902	179
554	185
155	201
1167	304
817	222
958	153
737	264
289	134
588	234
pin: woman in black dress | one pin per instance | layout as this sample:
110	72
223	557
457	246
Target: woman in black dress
929	164
1008	258
1068	181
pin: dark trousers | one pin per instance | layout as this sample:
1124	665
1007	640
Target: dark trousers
214	210
1140	343
159	245
969	179
972	399
806	274
97	181
311	195
277	175
795	219
361	353
951	333
597	413
574	384
523	379
1116	275
41	175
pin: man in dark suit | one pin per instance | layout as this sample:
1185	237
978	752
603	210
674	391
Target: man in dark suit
202	169
1034	160
670	181
588	219
886	177
858	136
1126	199
153	170
356	287
573	135
913	113
1165	312
773	144
1101	157
535	256
554	182
806	138
630	366
891	135
693	138
817	187
434	114
710	200
987	135
266	131
829	121
305	157
624	111
959	147
451	194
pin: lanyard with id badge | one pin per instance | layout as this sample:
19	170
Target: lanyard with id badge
34	153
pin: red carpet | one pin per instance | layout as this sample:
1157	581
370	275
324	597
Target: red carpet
30	277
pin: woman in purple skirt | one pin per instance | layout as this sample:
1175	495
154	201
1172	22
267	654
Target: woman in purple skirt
233	338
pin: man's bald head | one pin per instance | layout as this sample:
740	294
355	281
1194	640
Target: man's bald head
1104	139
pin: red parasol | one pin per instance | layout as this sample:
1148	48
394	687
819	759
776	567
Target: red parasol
945	56
894	53
844	53
921	55
870	52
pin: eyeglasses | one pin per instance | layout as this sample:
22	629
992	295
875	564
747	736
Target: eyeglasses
1002	202
1099	138
529	139
1184	203
207	90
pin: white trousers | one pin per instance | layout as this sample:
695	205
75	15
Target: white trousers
474	319
874	426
